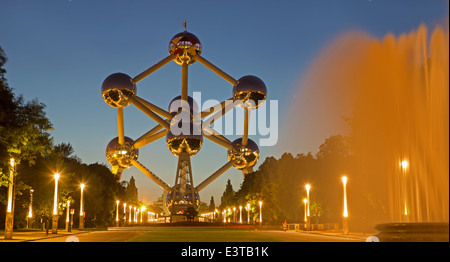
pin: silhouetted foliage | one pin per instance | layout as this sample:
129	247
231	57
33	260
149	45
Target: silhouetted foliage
280	185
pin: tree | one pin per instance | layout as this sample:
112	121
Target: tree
212	205
131	192
335	146
228	196
24	127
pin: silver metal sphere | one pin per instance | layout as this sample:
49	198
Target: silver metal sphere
121	155
175	106
174	197
186	47
244	156
251	91
190	141
117	88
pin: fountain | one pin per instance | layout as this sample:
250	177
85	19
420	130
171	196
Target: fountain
394	93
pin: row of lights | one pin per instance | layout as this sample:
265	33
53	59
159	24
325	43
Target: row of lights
306	200
137	211
10	214
211	215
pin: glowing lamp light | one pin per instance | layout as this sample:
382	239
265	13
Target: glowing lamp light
308	187
55	199
305	201
344	181
405	164
81	201
10	187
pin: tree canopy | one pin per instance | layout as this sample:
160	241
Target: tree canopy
25	136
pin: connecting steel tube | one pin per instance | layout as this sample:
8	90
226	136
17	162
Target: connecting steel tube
154	108
216	70
246	119
148	134
153	68
120	126
215	175
218	141
184	81
150	139
150	113
152	176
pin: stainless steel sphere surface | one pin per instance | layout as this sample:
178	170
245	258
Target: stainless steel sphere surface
251	91
184	137
117	88
185	46
121	155
244	156
177	104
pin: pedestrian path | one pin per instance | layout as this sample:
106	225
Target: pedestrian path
24	236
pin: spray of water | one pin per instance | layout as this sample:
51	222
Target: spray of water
394	93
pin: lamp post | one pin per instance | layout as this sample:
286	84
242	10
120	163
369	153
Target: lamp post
260	213
129	217
55	206
124	213
224	214
345	213
308	219
134	215
81	208
67	215
117	213
143	208
30	210
9	221
305	202
234	214
240	214
404	165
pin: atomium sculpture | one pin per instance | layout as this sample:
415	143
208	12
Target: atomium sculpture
119	91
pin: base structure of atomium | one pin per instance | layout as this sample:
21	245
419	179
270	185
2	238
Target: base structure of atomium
182	124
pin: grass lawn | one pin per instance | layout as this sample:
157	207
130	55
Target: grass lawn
203	235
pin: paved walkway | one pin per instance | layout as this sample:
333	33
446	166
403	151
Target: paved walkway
38	234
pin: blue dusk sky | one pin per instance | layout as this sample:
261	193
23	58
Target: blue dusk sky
60	52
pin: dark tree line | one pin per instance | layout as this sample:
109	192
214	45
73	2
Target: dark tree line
280	185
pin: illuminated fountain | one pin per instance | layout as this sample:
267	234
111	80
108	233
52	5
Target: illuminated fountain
395	93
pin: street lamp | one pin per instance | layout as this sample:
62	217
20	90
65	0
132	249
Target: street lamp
142	210
9	221
117	213
240	214
345	214
308	221
81	208
224	213
129	217
55	206
30	209
404	165
305	202
234	214
67	215
134	215
260	213
124	213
